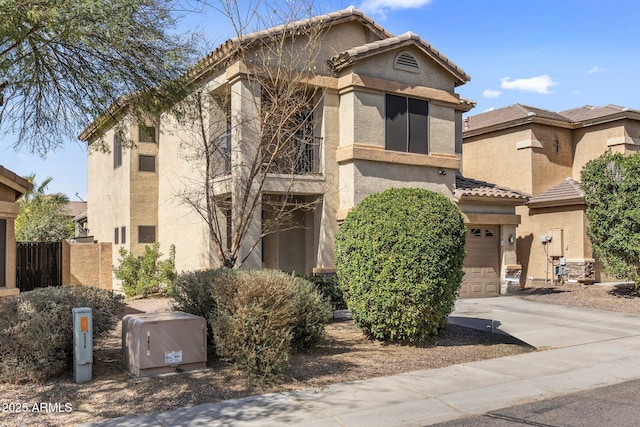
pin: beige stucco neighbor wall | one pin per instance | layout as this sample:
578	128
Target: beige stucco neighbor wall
87	264
551	163
496	158
591	142
536	223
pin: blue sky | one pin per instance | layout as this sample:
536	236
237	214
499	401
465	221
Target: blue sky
549	54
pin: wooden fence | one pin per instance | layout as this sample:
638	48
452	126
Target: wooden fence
38	265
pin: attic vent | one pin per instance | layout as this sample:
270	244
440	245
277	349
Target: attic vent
407	62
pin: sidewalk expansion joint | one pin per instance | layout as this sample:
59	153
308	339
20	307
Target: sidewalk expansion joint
517	420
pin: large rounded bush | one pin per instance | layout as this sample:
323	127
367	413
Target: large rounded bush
399	258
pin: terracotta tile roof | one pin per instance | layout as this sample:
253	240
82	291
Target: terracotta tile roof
518	113
508	114
348	57
473	187
229	47
589	112
568	192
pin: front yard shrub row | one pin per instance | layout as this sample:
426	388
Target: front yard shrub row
256	318
399	258
36	329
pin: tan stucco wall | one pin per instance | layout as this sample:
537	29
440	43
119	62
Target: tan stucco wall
87	264
178	223
431	74
548	166
8	211
495	158
593	141
539	222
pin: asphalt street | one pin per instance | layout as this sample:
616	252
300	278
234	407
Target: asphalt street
615	405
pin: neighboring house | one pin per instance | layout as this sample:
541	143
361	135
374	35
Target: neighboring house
12	187
77	212
541	153
388	116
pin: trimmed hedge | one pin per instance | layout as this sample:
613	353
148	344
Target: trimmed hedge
399	257
36	329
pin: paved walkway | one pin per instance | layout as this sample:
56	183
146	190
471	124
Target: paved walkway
585	349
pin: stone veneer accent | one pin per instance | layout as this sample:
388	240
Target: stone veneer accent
581	270
512	277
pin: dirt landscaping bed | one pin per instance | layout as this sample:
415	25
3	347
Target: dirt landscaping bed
343	355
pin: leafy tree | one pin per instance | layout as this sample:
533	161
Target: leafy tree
399	258
64	62
146	274
43	217
612	192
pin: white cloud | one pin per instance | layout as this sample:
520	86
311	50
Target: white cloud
489	109
539	84
488	93
381	7
595	70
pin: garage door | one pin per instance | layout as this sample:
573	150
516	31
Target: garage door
482	264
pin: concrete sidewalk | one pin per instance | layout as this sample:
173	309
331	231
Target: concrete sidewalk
584	349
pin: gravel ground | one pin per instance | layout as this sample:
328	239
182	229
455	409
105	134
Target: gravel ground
343	355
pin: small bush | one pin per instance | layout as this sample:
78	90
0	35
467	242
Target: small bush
256	317
36	329
399	258
252	326
145	275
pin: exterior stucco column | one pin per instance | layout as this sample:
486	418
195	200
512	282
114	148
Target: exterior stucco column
245	134
8	212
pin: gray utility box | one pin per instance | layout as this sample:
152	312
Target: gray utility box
158	343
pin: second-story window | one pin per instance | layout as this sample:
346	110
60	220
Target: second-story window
146	163
147	134
406	124
117	151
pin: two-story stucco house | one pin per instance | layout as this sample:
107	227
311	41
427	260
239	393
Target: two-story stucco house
387	115
541	153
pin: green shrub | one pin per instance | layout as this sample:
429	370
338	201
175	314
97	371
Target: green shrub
399	258
256	317
36	329
196	292
145	275
329	287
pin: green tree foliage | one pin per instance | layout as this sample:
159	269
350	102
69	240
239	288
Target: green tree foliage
147	274
43	217
65	62
399	258
612	192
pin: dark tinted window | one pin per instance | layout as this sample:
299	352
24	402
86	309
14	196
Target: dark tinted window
146	234
146	163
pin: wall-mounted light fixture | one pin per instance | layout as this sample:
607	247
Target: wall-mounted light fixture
442	172
511	239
